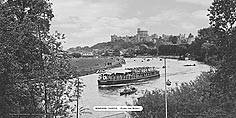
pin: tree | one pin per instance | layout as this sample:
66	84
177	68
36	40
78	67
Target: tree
21	57
116	52
190	35
191	99
200	51
33	64
174	39
222	15
153	52
76	55
222	18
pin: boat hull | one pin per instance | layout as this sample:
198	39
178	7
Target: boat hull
128	93
117	82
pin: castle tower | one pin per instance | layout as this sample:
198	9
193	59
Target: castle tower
138	30
141	35
138	36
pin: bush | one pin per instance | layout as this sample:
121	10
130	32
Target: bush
189	100
172	50
76	55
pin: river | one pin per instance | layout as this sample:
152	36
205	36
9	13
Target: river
176	73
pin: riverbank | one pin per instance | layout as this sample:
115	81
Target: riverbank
91	65
169	57
160	56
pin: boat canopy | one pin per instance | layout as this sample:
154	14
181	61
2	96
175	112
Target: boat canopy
136	68
123	72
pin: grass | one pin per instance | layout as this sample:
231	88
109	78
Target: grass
92	64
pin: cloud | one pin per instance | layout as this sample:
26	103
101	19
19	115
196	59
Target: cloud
86	11
200	2
167	16
177	21
200	14
188	26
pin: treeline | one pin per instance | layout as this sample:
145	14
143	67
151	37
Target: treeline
177	50
203	48
34	70
213	93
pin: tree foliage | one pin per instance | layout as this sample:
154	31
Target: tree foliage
222	18
172	50
222	15
204	48
213	94
189	100
32	60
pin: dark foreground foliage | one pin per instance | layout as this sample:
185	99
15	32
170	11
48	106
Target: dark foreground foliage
189	100
213	94
34	70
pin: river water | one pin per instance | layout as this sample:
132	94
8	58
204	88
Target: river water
176	73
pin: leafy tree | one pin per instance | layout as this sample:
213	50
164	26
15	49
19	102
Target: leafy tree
174	39
153	52
76	55
33	64
222	15
207	35
204	46
21	56
189	100
190	35
222	18
116	52
172	50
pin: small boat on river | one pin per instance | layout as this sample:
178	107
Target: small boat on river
190	65
101	71
128	90
129	75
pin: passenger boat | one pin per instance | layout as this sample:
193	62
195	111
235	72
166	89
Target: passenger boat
129	75
128	90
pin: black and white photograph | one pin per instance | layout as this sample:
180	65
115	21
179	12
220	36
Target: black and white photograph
117	58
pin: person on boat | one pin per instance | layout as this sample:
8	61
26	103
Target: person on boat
168	82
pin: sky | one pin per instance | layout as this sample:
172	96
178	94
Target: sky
88	22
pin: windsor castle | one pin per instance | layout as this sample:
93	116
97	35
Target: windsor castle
142	36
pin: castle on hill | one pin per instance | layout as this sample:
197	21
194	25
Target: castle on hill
141	36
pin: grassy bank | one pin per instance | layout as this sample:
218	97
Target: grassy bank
90	65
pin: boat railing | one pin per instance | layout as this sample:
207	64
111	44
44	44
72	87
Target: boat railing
127	75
